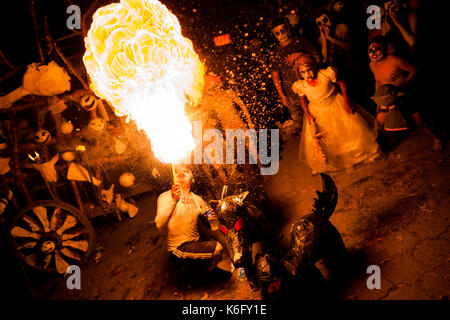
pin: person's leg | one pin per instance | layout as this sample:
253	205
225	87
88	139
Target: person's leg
409	103
381	117
421	124
217	256
385	139
201	252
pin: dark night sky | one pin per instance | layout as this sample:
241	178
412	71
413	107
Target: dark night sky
211	16
199	19
17	31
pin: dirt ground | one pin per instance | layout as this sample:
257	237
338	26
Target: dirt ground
393	213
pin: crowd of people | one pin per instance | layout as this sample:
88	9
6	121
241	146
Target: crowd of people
368	58
318	82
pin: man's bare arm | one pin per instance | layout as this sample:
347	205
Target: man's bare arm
405	65
165	207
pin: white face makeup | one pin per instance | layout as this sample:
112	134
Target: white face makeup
323	20
375	52
281	33
307	72
393	5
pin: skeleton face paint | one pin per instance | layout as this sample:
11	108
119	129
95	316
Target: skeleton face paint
307	72
323	20
281	33
376	52
392	5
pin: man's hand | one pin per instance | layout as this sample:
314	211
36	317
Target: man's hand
394	17
325	32
290	59
176	192
296	117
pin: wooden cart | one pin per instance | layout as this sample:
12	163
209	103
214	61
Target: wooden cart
50	226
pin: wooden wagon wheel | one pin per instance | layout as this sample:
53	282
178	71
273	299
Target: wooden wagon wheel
51	235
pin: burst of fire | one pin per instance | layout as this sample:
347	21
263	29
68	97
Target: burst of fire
138	60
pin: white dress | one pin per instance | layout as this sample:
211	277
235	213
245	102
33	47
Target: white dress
347	139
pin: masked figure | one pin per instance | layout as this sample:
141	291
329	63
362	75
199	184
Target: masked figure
281	65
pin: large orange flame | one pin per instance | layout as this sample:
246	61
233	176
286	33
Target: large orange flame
138	60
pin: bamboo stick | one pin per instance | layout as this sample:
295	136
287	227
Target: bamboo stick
76	191
36	32
16	171
62	56
10	73
74	34
5	60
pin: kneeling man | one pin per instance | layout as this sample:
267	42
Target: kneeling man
178	210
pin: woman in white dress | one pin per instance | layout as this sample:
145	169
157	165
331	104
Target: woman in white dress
337	133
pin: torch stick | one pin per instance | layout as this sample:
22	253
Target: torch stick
173	173
37	159
36	32
174	182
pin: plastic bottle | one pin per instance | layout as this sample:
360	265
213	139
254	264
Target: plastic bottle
213	222
241	274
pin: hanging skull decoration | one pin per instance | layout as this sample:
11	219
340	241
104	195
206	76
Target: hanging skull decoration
42	136
97	125
127	179
88	102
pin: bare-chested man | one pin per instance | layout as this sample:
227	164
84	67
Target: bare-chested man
389	69
393	70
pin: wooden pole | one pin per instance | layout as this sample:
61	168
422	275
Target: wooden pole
85	15
16	171
74	34
62	56
173	174
76	191
5	60
10	73
36	32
